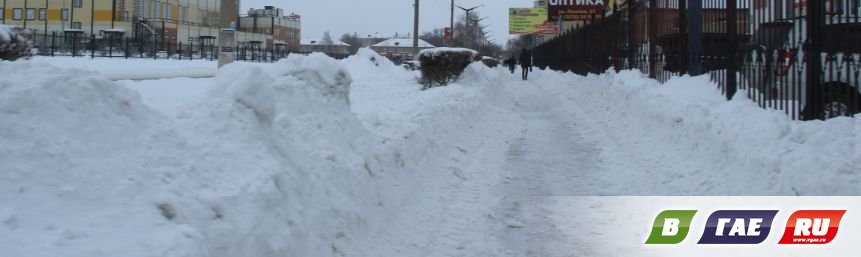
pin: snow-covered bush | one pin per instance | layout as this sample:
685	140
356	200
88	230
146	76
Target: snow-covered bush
490	61
441	66
14	43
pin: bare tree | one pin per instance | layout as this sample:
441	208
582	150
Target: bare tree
353	41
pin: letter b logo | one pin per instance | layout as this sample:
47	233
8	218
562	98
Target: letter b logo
671	227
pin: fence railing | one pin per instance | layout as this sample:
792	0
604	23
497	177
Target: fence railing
107	46
799	57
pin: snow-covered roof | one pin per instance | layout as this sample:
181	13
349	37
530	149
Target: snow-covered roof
402	42
318	42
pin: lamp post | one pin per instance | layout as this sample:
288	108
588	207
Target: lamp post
92	16
467	10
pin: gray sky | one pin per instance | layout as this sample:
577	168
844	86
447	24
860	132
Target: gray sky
387	16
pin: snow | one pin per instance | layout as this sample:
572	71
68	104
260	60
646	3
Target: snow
170	96
713	146
316	157
314	41
403	42
134	68
434	52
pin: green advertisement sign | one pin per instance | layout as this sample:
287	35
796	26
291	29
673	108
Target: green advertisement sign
526	20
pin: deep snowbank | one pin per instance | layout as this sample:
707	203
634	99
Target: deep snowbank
273	161
699	143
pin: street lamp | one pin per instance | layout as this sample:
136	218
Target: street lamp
467	10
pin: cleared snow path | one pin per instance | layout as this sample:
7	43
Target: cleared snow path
554	155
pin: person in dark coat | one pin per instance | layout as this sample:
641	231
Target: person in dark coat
511	62
525	62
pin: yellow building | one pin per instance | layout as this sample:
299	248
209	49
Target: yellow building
166	22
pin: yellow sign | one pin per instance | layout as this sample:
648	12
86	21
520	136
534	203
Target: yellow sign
526	20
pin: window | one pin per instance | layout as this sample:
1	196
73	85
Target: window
76	25
42	14
31	14
185	13
153	9
77	3
2	13
17	13
168	14
65	14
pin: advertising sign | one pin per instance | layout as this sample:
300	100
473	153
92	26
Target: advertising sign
526	20
575	10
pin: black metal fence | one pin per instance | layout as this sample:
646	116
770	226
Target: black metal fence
75	44
800	57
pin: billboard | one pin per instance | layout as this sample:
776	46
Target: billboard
575	10
528	21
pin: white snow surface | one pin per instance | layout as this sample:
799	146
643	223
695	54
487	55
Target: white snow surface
135	68
434	52
317	157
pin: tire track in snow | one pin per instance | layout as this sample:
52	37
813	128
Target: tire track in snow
553	156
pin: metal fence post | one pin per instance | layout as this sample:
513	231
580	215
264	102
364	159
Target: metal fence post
815	22
695	40
652	36
92	46
732	32
53	42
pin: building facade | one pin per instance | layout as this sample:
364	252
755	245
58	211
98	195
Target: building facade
162	24
283	29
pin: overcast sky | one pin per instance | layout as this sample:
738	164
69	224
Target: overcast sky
387	16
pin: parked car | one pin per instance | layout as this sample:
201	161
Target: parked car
773	64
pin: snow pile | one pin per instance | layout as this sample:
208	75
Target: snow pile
699	143
367	62
135	68
73	149
435	52
272	163
14	43
432	134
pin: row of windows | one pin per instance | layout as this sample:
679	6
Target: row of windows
164	10
18	14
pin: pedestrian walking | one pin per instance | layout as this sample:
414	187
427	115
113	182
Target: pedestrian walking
525	62
511	62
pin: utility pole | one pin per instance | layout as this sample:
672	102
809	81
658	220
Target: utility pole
46	19
450	28
416	29
113	12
